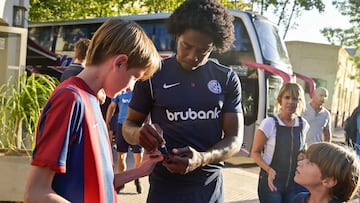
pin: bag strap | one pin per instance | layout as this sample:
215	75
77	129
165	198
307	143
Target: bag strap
276	120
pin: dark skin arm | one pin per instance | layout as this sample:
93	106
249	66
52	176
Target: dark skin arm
136	133
184	160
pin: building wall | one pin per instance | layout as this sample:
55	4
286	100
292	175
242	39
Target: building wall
346	94
7	11
12	39
331	66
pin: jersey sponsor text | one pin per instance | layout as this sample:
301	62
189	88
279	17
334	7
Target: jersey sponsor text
193	115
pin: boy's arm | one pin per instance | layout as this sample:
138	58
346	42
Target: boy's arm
145	169
38	186
109	113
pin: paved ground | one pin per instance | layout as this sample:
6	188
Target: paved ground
240	184
240	180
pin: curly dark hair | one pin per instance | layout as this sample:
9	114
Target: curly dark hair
206	16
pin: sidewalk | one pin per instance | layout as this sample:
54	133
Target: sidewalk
240	180
338	136
240	185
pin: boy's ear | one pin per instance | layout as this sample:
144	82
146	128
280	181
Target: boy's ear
120	60
329	182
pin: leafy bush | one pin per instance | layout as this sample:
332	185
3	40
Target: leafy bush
21	101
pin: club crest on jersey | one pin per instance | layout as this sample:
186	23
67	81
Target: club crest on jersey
214	86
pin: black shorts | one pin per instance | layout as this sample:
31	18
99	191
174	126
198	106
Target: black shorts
113	123
122	145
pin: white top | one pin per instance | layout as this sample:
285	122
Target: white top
268	127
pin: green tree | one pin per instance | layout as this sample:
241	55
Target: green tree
156	6
347	37
54	10
51	10
288	11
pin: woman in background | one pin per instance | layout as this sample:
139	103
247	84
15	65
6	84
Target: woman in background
277	144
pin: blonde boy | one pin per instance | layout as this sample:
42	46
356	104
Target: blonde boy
72	159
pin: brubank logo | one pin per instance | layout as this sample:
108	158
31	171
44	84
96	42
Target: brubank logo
193	115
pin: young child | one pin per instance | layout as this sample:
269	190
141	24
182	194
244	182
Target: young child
77	66
72	160
330	172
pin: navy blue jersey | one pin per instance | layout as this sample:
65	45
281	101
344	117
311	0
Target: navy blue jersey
188	106
304	196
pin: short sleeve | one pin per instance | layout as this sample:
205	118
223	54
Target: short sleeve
59	121
268	127
116	99
141	99
233	94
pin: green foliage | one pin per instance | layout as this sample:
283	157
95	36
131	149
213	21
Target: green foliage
52	10
347	37
55	10
156	6
236	4
21	101
356	59
303	4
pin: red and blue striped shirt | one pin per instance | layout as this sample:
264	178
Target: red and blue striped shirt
72	140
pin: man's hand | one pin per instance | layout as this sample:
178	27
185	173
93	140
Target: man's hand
150	138
183	160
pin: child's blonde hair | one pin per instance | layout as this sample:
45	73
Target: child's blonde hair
116	36
296	91
338	162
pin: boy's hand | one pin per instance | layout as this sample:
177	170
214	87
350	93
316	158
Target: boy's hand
149	162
